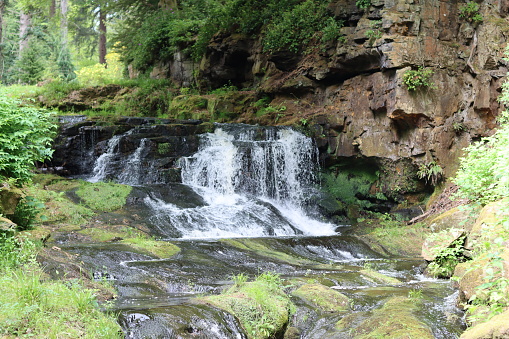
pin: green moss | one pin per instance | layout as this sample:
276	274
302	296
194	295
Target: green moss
396	319
104	234
163	148
496	327
158	248
379	278
103	196
261	306
259	247
323	298
60	210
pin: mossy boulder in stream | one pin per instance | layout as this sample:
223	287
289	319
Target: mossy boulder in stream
396	319
379	278
323	298
262	306
496	327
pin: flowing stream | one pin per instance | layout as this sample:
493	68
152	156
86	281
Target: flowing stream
256	185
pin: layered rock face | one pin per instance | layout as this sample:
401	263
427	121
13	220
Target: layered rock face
354	91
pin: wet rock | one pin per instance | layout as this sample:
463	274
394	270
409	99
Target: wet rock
396	319
379	278
9	198
323	298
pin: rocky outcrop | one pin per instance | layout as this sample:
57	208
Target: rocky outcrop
354	90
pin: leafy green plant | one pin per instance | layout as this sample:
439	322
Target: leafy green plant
458	127
418	79
375	32
447	258
297	26
483	173
26	213
363	4
26	134
470	12
431	172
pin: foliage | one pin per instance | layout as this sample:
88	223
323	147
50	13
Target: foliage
418	79
15	251
483	174
100	74
50	309
447	258
470	12
350	186
431	172
374	33
103	196
30	66
363	4
297	26
26	213
25	137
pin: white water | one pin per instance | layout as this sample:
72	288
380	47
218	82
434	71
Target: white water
252	185
101	166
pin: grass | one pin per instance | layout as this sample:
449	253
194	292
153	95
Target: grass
103	196
31	306
262	306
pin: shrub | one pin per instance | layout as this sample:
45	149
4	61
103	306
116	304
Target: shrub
26	213
297	26
26	134
418	79
470	12
363	4
99	74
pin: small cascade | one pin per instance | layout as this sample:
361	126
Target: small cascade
102	164
133	170
254	181
129	169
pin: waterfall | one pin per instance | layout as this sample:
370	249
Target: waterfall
102	164
254	181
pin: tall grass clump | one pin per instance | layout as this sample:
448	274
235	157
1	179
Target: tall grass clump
31	306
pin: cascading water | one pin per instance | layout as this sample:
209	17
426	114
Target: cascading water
240	181
254	182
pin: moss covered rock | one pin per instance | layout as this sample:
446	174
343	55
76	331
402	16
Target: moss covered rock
396	319
323	298
379	278
497	327
262	306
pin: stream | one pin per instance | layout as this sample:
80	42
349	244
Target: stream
244	205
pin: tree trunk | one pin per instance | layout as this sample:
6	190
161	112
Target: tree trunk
102	37
63	22
24	26
2	11
52	8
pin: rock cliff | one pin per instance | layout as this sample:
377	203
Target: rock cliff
352	92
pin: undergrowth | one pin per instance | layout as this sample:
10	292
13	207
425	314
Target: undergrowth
31	306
